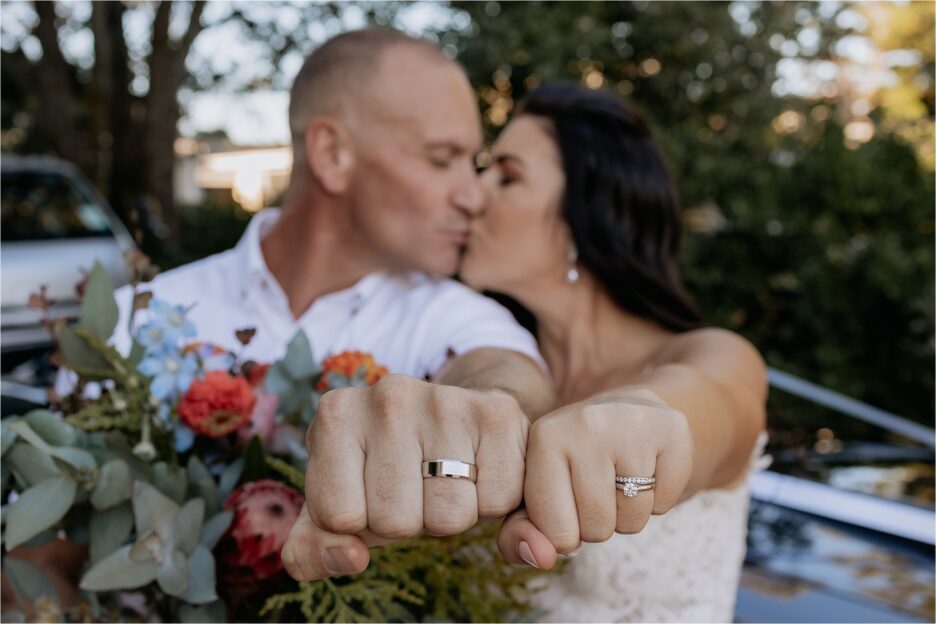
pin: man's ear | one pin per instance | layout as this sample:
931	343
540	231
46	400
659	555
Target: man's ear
330	154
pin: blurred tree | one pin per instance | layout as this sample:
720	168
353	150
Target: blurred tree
818	249
903	36
98	83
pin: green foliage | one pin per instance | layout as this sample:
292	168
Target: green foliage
458	578
293	379
38	508
820	253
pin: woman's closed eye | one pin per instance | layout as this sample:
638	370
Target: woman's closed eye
506	180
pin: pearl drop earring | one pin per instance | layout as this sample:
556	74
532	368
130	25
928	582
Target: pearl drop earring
572	274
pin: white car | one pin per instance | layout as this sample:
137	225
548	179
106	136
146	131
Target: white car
54	226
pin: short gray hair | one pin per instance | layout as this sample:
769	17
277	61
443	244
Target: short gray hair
336	73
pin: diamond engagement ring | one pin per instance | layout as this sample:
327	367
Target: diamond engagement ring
630	486
452	468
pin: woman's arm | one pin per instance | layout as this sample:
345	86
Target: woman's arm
718	381
691	422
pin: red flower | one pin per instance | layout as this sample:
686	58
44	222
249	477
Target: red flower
217	404
264	513
350	364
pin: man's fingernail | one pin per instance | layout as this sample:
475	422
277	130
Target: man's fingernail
527	555
576	551
337	561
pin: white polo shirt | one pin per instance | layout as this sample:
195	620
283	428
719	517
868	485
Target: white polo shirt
408	322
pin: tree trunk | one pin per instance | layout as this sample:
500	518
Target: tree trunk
56	104
167	70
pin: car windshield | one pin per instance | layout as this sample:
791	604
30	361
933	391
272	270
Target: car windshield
42	205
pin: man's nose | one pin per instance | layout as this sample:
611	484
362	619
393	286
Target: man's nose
470	197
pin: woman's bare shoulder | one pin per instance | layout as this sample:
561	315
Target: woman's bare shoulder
717	352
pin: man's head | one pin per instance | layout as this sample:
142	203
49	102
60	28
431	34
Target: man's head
387	127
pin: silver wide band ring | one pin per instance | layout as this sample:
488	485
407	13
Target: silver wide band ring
631	489
452	468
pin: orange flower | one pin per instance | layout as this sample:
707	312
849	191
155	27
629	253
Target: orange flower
217	404
350	365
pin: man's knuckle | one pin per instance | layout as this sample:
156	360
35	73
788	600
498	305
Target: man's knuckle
392	397
395	526
343	521
449	525
497	508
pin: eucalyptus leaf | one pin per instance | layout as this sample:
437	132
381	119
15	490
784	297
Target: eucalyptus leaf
277	381
298	360
113	485
118	571
170	480
215	528
99	312
109	529
173	574
116	446
51	427
38	508
230	477
186	526
77	458
40	540
23	430
152	510
201	577
212	613
202	484
27	580
31	465
7	438
79	354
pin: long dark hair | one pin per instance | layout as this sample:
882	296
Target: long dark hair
620	201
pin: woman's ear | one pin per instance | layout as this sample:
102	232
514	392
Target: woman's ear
329	154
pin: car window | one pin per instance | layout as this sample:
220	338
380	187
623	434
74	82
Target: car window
41	205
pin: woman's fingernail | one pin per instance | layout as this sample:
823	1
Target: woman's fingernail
337	561
576	551
527	555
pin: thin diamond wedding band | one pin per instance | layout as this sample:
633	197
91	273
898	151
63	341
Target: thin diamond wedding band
452	468
636	480
630	486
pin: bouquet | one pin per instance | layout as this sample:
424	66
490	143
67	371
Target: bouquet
178	472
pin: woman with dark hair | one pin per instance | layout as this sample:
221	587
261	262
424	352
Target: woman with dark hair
661	414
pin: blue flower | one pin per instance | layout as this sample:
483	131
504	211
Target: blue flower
171	373
167	326
183	437
154	338
163	413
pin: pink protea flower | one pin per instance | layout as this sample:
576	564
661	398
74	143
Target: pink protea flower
264	513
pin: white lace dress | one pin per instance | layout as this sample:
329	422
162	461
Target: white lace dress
683	567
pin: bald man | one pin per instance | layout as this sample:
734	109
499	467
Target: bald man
385	130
